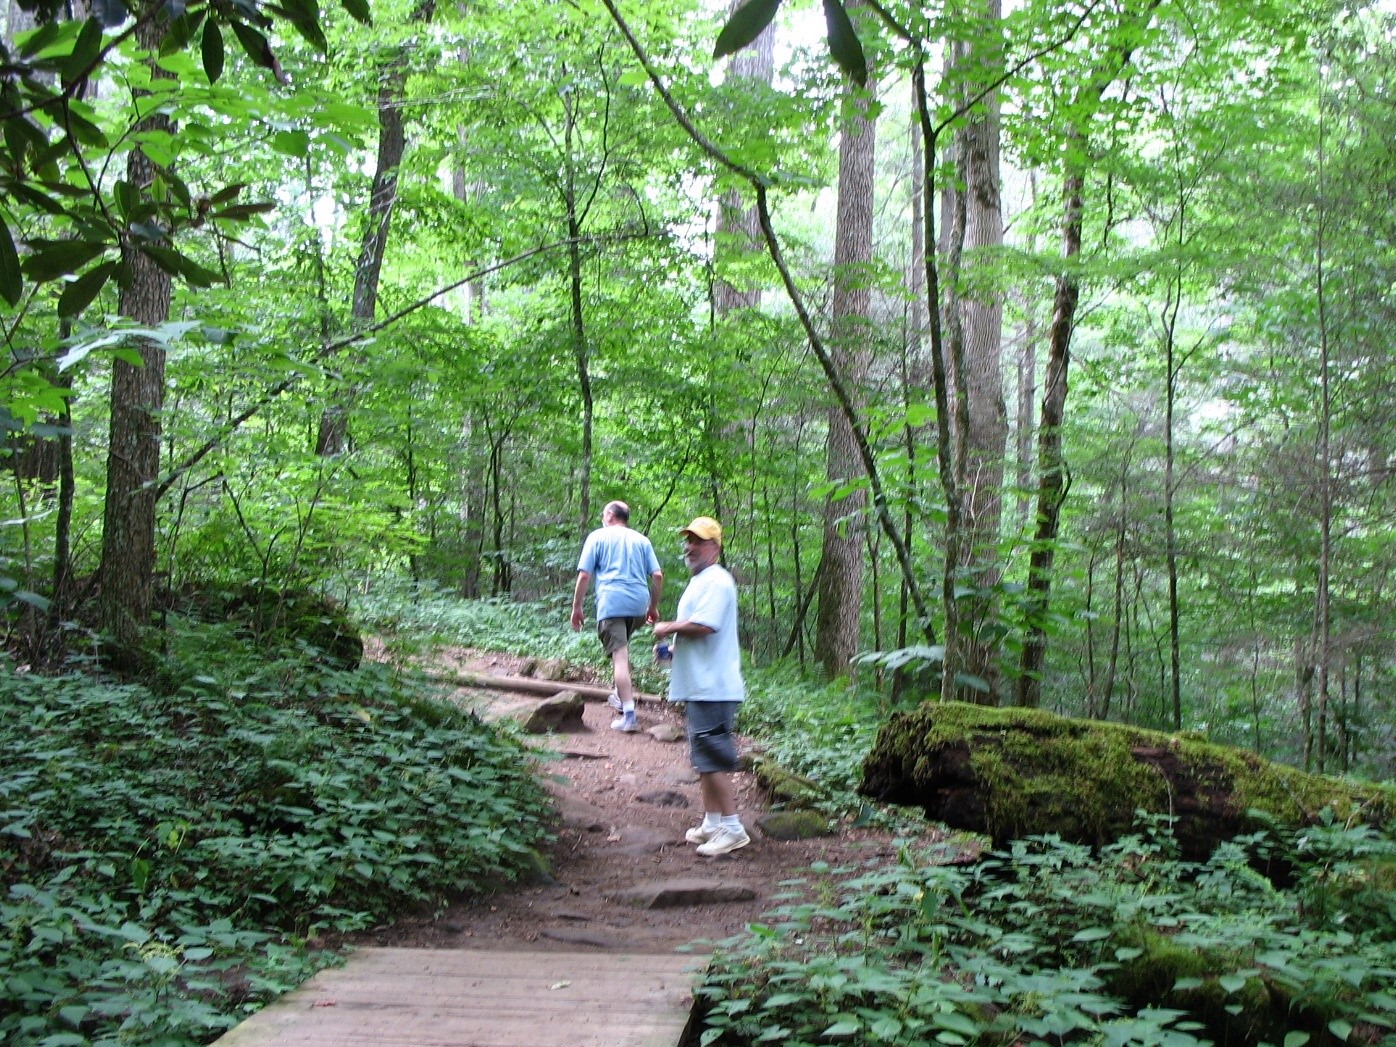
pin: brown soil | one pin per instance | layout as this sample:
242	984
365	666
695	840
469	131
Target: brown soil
624	802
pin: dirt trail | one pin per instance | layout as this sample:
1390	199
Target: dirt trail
622	876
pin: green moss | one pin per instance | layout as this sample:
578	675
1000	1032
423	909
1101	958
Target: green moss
1045	773
1151	979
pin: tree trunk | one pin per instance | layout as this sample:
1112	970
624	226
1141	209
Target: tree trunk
1016	772
137	398
1051	463
981	322
738	225
1323	625
333	437
841	579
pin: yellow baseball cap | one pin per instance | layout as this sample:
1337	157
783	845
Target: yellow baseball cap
704	527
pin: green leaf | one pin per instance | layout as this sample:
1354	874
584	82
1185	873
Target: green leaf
211	48
85	51
291	143
1296	1038
847	1025
58	258
954	1021
176	264
843	43
242	212
358	11
745	25
78	295
181	31
228	192
255	44
33	44
11	279
1232	982
1339	1028
84	130
305	16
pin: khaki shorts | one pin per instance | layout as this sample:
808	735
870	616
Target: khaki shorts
615	633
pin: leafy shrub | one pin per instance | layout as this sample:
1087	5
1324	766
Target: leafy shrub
1052	943
170	857
822	733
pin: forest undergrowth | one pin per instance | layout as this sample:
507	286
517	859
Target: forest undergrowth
178	852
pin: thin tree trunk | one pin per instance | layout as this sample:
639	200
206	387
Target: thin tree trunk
1052	475
137	397
1027	392
333	437
1323	626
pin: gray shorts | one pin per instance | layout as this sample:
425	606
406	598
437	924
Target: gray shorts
711	745
615	633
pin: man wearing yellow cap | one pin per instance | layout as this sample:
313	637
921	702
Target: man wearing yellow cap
707	678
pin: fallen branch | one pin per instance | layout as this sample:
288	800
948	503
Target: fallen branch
529	685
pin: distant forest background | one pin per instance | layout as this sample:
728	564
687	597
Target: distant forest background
1033	354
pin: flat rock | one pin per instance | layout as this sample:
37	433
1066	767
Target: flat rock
663	798
672	894
679	775
561	712
639	840
577	814
665	732
576	751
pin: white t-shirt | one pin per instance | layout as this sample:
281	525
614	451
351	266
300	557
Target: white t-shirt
708	668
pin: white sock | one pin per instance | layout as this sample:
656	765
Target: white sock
731	821
711	819
627	707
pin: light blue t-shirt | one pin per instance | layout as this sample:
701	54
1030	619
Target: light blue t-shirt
708	668
620	562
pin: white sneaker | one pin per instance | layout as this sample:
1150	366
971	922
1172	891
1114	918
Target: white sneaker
724	841
626	724
699	834
613	700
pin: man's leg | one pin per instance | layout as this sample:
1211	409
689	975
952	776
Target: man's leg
722	831
620	665
716	789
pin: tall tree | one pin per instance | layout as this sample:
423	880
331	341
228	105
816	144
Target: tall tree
1051	463
841	566
976	67
738	225
137	399
383	194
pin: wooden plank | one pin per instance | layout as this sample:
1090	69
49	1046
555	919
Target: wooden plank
465	998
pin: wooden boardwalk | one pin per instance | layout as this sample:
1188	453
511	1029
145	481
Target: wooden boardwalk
486	998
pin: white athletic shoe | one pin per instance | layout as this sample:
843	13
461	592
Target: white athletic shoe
699	834
724	841
613	700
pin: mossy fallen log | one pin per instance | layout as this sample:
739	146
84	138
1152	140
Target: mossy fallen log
1011	773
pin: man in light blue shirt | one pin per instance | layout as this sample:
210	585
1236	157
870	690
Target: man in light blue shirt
628	585
707	678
